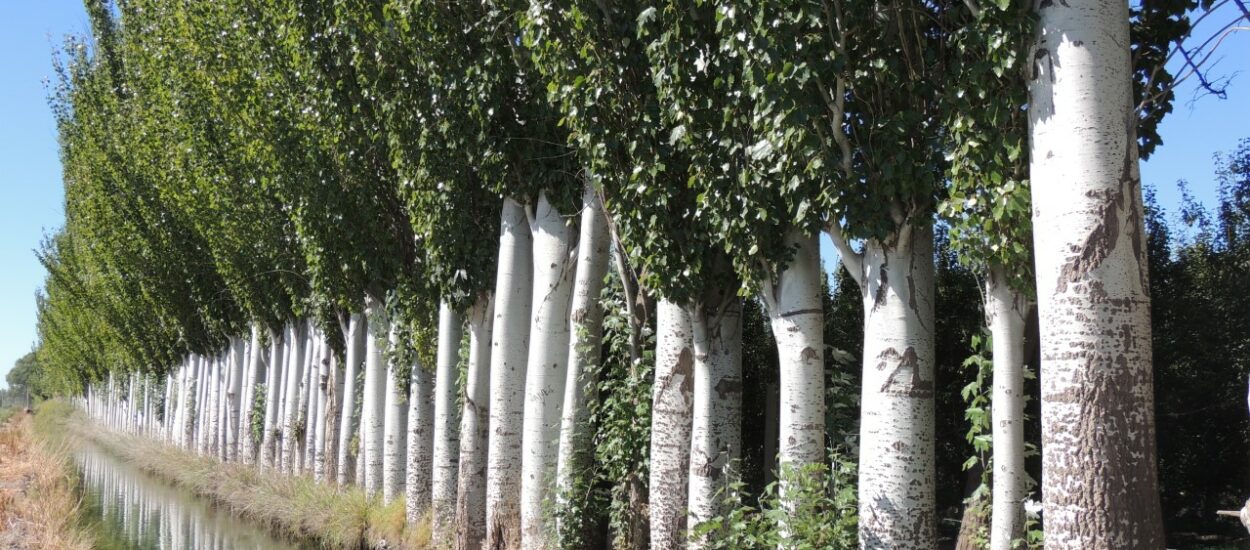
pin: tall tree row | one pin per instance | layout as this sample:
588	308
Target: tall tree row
454	252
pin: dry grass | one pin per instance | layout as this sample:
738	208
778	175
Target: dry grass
38	505
296	506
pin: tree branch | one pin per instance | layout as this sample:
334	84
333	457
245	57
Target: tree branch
853	261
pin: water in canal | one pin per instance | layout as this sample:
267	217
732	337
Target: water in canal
134	510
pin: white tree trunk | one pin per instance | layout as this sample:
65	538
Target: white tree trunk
108	402
245	404
586	335
288	337
373	401
288	355
322	386
896	472
211	399
223	404
1005	312
474	426
797	320
232	399
334	414
186	391
360	458
672	403
355	356
247	439
151	396
140	403
145	421
272	381
203	404
554	268
168	407
446	451
295	375
308	401
1099	480
395	426
513	289
716	426
178	430
130	403
193	404
420	441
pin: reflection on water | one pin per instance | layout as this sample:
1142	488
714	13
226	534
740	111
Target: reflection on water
136	511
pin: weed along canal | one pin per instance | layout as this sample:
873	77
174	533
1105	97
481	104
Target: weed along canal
130	509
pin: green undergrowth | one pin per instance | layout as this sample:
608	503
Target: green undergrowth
6	413
819	511
293	506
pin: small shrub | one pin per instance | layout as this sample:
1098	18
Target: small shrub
819	511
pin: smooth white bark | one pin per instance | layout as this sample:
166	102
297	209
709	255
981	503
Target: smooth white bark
168	407
308	401
420	463
222	381
474	426
246	385
896	475
305	412
203	405
186	405
1099	478
272	381
585	338
287	354
716	422
233	389
373	401
446	450
1005	311
672	402
255	375
131	400
508	359
321	387
555	254
395	427
208	429
797	319
334	414
355	356
295	375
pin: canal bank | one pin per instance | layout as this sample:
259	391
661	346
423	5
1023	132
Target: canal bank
38	501
291	508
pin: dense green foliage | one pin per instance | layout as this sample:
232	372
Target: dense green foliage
1197	276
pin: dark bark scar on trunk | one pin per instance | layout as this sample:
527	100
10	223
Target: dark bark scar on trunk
905	379
727	387
1099	243
1130	182
685	369
883	282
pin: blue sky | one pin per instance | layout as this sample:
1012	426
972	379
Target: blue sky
30	170
30	186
